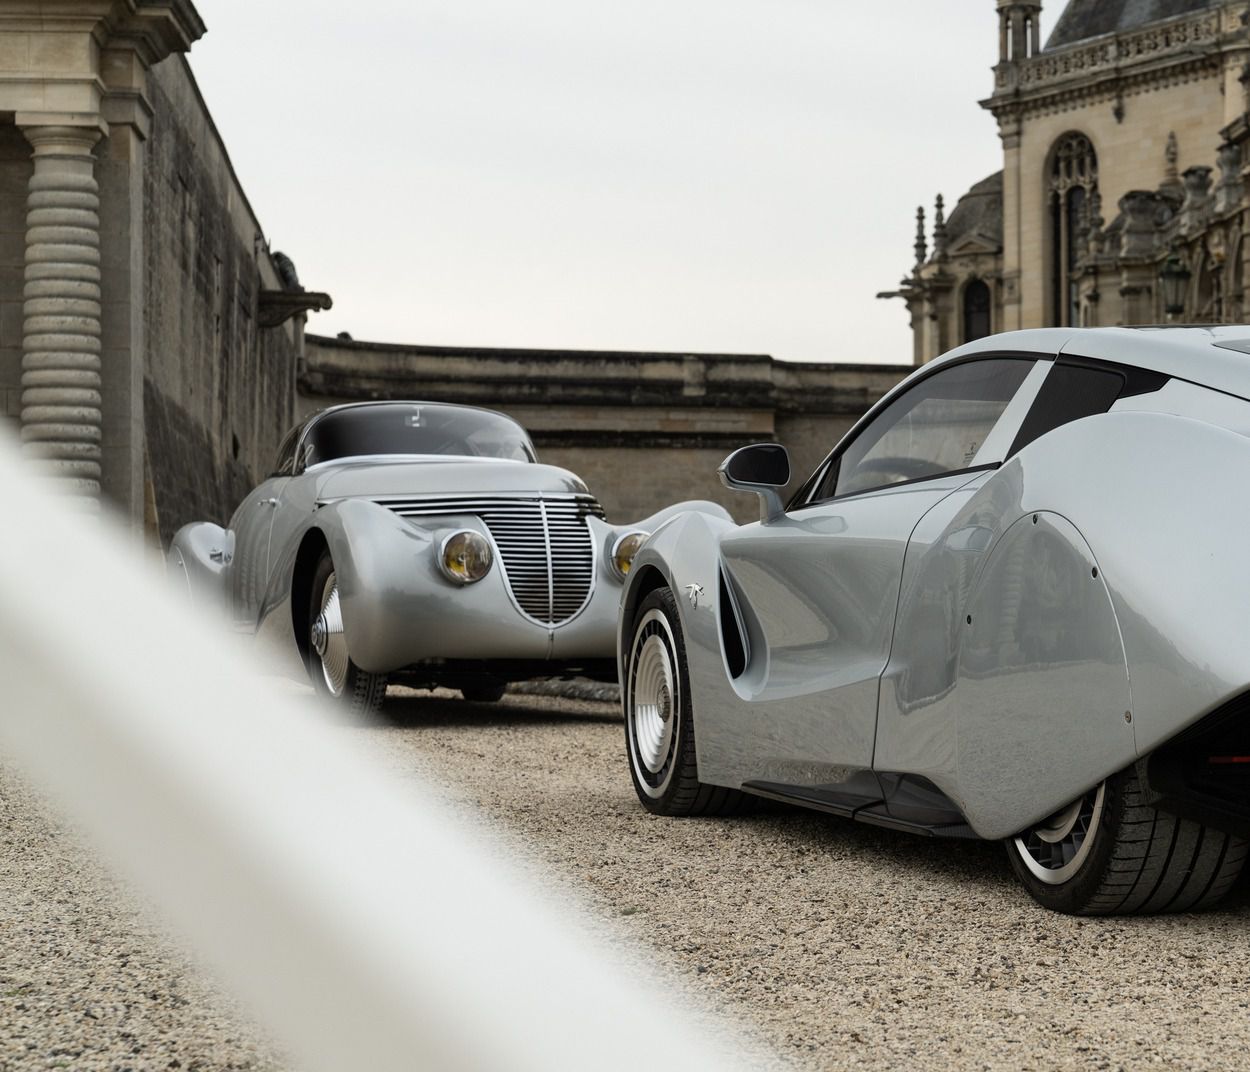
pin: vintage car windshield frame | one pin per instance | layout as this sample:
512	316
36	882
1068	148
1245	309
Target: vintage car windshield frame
804	497
301	466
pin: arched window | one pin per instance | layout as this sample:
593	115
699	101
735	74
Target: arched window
976	310
1073	179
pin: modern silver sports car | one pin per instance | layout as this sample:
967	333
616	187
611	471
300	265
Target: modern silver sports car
1013	603
420	543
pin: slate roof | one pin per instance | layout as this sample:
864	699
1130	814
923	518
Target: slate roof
1083	19
979	214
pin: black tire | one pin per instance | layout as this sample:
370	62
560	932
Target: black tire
358	690
483	693
663	766
1137	860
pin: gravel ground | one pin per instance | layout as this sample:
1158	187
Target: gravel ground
86	982
840	946
843	946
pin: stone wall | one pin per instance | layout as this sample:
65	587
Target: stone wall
644	430
15	169
218	390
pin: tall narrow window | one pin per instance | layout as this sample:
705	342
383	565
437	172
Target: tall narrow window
1073	178
976	310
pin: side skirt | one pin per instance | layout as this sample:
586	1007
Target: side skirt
904	803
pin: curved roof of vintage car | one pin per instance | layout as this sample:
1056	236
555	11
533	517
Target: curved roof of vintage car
1217	357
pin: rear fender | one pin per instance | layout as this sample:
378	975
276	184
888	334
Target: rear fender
1127	659
198	563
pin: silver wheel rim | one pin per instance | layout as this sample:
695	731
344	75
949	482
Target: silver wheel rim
654	698
328	642
1055	850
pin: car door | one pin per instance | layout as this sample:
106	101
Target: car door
818	588
251	524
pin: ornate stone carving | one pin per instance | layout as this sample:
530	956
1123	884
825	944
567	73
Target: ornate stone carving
1229	192
1197	203
1171	157
922	242
939	229
61	420
1141	212
1174	38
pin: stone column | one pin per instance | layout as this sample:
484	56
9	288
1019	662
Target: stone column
61	415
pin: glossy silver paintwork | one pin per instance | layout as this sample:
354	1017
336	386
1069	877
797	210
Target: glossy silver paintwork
395	604
938	629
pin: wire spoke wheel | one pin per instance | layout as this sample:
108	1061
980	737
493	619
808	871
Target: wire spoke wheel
328	642
1056	848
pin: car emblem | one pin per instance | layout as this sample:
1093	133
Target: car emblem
694	591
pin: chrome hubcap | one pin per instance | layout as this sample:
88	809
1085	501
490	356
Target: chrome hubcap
328	640
1055	849
653	703
654	686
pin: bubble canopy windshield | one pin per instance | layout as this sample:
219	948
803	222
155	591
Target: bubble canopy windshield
409	428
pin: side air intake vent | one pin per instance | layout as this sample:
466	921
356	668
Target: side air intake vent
731	631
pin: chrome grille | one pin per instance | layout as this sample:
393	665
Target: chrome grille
544	543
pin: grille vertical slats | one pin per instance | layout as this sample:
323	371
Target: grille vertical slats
544	543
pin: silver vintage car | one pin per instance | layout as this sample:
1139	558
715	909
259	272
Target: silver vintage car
420	543
1013	603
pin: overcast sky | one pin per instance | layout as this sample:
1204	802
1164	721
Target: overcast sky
727	176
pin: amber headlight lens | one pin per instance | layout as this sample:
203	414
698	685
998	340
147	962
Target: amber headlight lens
624	549
466	557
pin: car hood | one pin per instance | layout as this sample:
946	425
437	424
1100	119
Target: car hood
438	476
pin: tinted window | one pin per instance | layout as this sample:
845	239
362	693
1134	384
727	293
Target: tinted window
406	428
936	427
1068	394
1073	391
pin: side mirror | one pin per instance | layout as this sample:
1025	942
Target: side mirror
762	468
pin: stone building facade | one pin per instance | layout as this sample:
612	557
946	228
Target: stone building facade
1122	197
148	338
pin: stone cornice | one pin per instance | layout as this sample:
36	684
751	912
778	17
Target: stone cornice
64	56
1181	48
347	369
155	28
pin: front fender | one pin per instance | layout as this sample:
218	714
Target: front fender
382	563
692	506
684	555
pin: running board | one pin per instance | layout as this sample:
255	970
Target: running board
860	808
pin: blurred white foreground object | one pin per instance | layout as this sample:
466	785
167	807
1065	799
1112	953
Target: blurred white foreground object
367	927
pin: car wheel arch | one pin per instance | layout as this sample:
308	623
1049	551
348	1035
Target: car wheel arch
312	545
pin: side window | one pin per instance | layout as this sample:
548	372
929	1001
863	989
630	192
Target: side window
285	465
937	427
1072	391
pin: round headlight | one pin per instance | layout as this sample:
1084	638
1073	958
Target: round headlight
465	557
624	549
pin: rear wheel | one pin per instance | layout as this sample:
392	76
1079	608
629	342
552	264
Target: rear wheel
659	729
483	693
329	665
1111	853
